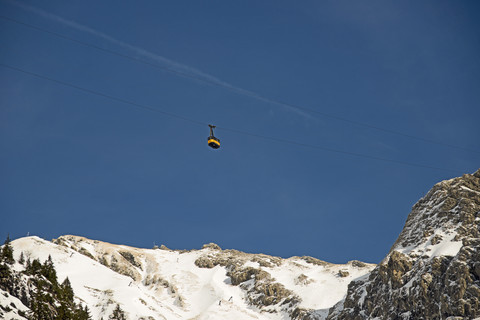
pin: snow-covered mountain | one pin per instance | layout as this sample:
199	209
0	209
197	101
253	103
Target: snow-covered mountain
199	284
431	272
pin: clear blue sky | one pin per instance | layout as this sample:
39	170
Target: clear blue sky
72	162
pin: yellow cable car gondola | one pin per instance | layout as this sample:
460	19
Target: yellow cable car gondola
213	142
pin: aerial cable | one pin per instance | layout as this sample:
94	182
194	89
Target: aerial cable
239	90
190	120
360	155
97	93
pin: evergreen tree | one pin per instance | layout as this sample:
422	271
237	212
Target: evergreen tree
66	291
41	308
7	252
87	312
83	313
5	274
118	314
63	312
21	260
44	304
48	270
50	300
65	295
34	267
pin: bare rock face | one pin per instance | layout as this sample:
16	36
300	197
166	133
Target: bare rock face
253	274
261	288
211	245
433	269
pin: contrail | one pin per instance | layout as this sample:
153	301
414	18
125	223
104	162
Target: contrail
176	66
198	75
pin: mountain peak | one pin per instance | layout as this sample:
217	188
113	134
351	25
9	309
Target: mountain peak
432	270
477	173
446	214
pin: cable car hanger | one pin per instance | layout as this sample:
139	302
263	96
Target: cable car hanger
213	142
245	133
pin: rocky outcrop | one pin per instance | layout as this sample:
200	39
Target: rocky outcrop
253	274
233	258
261	288
211	245
126	262
433	269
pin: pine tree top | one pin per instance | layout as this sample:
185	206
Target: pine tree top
6	254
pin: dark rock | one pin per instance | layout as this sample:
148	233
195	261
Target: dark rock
211	245
315	261
204	262
358	264
343	273
130	258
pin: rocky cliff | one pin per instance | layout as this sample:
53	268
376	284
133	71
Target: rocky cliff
433	269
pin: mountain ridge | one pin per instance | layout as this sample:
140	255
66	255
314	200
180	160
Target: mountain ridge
209	283
432	271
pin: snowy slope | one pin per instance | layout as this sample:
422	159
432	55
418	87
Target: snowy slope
166	284
13	305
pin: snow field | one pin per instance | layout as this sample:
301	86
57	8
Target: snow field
170	286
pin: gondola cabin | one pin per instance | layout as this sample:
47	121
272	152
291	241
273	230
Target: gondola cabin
213	142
